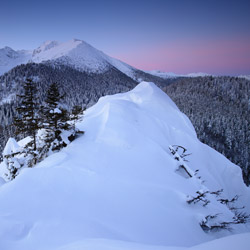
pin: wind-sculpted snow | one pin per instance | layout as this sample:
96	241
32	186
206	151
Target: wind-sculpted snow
119	186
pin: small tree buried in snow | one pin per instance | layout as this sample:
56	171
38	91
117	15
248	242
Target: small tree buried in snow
179	154
213	223
10	159
182	152
210	224
201	197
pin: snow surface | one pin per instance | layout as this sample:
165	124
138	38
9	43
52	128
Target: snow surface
118	185
239	241
76	53
2	181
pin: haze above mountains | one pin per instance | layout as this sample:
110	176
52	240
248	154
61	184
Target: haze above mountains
78	54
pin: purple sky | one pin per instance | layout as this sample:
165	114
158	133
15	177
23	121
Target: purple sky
211	56
174	36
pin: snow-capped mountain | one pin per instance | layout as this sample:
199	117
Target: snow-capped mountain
167	75
124	184
10	58
75	53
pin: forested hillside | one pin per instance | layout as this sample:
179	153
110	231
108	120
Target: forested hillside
219	109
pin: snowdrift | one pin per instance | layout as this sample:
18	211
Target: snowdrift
120	182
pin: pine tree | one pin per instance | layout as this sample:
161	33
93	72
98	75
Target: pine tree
52	111
27	121
54	117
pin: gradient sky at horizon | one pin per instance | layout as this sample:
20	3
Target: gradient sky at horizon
172	36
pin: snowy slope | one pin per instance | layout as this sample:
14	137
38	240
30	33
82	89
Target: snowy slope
119	183
239	241
76	53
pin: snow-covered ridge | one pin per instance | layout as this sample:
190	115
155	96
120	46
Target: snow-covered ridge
245	76
167	75
75	53
45	46
121	183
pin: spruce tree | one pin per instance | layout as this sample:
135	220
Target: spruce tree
54	117
52	112
27	121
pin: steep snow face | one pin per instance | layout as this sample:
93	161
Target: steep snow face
120	182
75	53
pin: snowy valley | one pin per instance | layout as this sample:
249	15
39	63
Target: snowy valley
138	178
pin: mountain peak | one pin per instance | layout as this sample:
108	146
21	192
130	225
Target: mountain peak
75	53
45	46
8	52
77	40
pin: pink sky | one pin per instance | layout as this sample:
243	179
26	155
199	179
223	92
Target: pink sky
228	57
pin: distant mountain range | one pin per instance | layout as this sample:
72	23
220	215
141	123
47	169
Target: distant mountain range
81	56
74	53
77	54
167	75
